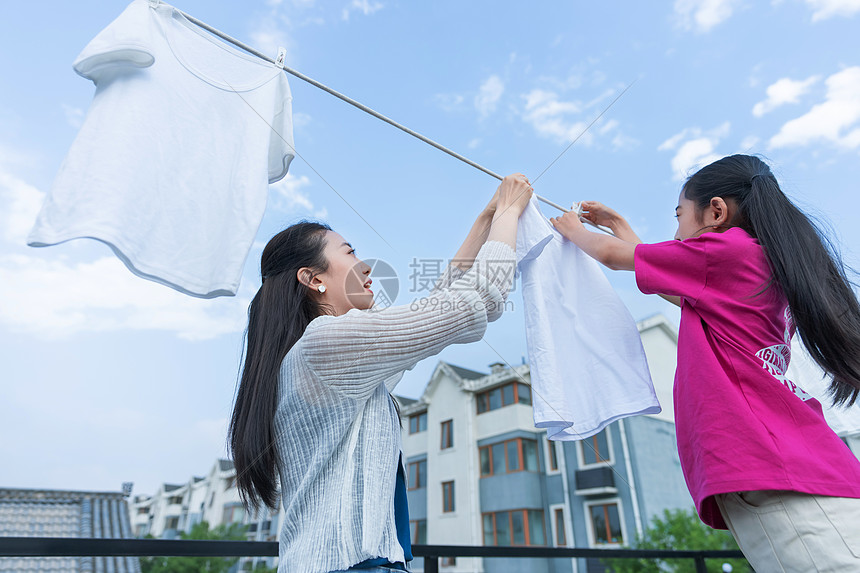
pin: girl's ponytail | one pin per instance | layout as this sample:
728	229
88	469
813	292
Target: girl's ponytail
804	263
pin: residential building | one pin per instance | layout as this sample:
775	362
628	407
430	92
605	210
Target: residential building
481	473
845	421
59	513
176	508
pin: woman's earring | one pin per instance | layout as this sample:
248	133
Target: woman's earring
321	288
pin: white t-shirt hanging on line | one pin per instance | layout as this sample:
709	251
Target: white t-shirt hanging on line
172	165
588	367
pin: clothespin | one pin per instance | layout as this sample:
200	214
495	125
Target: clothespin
282	56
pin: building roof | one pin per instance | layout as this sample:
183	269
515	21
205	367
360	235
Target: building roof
465	373
59	513
660	321
404	401
225	465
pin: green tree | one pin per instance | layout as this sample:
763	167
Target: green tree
234	532
680	530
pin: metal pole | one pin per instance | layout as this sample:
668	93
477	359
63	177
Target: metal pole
352	102
431	565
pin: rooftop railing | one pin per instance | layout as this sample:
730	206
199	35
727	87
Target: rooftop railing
79	547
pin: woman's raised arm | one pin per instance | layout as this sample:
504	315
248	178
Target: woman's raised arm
357	351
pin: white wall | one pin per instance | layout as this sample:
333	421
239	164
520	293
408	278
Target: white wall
661	351
459	463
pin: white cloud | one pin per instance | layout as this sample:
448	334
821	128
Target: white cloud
694	148
366	7
291	197
783	91
755	75
748	143
49	295
474	143
553	118
449	102
56	298
608	126
13	157
289	192
835	120
824	9
20	203
74	115
703	14
565	120
488	95
267	36
621	141
301	119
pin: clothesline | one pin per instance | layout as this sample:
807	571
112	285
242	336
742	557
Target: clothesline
362	107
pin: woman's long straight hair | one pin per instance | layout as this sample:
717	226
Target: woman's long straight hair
277	318
803	261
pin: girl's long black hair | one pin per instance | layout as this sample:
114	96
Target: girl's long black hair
277	318
804	263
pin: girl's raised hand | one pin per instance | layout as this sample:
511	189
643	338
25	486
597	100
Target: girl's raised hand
568	224
600	214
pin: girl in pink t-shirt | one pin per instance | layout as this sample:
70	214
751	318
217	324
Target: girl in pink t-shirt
747	269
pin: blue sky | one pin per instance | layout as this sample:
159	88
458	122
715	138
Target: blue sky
109	378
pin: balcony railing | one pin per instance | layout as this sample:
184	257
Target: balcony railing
78	547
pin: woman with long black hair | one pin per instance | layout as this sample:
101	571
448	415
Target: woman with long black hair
314	426
748	268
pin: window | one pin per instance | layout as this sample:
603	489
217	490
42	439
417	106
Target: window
419	531
231	482
233	513
175	500
552	457
418	423
524	394
447	497
447	435
448	561
517	527
560	537
511	393
171	523
605	523
417	474
509	456
595	449
142	510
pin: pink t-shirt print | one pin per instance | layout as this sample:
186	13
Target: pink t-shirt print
741	424
775	359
